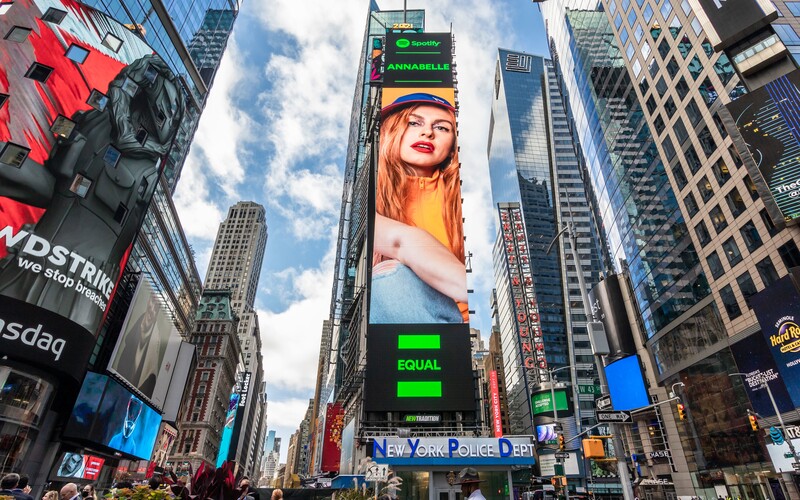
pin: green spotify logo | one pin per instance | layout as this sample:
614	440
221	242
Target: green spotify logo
402	43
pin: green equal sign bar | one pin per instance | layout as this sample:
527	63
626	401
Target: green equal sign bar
419	389
419	342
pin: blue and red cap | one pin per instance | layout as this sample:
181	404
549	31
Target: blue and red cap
418	98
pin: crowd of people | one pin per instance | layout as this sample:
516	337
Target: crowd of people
16	486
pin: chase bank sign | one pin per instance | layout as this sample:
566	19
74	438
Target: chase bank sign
454	451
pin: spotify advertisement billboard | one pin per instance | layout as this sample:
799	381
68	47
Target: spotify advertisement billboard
418	348
88	114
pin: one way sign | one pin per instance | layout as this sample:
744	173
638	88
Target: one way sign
623	417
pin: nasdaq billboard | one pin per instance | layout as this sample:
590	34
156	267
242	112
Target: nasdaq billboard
88	114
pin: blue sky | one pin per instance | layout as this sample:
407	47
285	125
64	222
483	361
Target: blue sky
275	132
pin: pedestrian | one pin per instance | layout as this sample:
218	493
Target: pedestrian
8	487
70	492
88	492
277	494
155	482
23	489
470	481
245	491
50	495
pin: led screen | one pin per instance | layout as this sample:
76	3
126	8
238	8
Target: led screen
767	120
545	433
227	431
148	345
418	371
542	403
418	279
777	308
79	466
83	134
108	414
626	384
753	358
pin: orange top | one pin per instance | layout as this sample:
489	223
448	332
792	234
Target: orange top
424	206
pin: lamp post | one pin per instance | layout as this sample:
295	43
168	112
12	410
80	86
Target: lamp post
765	385
622	466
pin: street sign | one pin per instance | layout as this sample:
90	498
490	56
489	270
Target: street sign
614	416
561	454
377	472
603	403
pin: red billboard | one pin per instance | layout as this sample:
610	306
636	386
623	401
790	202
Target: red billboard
88	114
332	439
494	393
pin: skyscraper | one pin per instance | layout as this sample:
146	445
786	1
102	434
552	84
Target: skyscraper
686	214
235	265
535	175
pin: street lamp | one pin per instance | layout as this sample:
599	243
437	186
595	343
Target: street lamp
622	466
765	385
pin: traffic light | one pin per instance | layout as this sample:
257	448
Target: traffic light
753	421
681	411
561	442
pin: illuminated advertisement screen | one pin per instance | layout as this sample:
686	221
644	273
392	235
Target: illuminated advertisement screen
494	394
777	308
418	371
753	358
767	118
108	414
79	466
626	384
227	431
332	438
87	115
148	346
546	434
542	403
418	284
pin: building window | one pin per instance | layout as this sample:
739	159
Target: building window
54	15
692	160
669	149
17	34
691	204
682	88
721	172
669	107
695	67
747	287
729	302
718	219
767	271
703	236
39	72
693	112
767	220
680	131
706	141
679	175
752	240
731	250
663	49
751	187
77	54
724	69
715	265
658	123
789	254
705	189
708	92
735	202
112	42
787	34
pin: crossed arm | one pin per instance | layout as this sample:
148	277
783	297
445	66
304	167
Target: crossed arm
435	264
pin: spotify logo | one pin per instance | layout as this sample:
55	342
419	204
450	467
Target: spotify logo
402	43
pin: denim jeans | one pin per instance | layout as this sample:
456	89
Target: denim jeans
400	296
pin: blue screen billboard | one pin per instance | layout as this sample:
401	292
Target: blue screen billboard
626	384
108	414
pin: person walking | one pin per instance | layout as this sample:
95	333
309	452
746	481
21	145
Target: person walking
70	492
470	481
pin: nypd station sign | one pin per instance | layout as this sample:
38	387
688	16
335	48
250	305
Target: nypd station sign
454	451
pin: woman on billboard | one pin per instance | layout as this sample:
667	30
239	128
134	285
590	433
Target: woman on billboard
418	273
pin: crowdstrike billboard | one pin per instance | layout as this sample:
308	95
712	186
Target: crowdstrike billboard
87	114
418	312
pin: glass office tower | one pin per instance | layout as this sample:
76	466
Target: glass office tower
534	166
682	215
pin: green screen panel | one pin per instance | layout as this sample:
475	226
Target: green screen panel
419	342
418	389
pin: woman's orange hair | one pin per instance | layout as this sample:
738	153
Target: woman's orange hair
390	196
